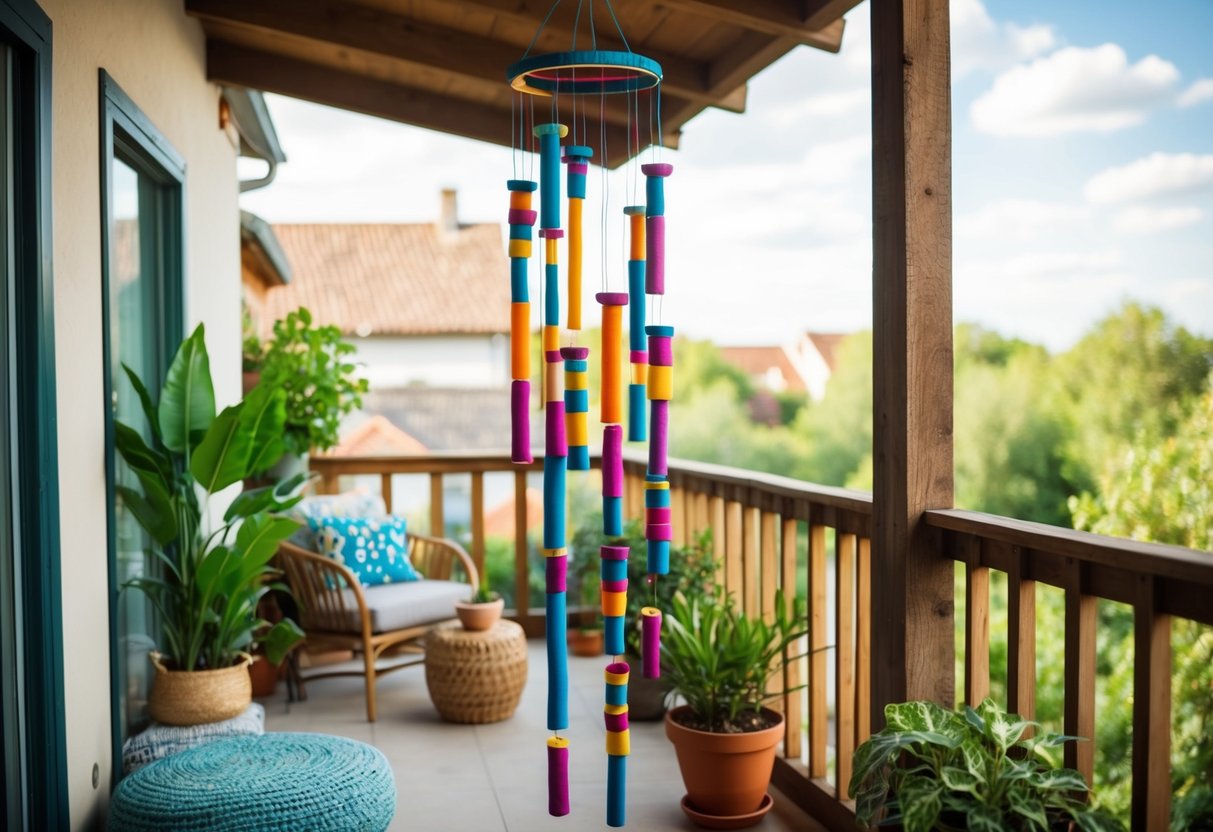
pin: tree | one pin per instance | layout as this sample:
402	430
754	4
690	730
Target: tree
838	429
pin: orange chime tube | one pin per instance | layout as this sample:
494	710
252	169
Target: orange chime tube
612	356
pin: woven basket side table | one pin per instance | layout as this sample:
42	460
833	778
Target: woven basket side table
476	677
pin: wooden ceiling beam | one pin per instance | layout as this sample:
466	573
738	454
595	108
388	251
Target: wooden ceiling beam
750	53
402	38
820	13
783	18
240	66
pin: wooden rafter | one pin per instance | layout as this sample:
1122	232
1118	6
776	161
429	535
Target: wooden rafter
785	18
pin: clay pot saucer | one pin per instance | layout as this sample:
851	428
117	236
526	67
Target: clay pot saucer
729	821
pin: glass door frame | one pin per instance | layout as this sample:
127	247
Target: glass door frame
37	609
130	136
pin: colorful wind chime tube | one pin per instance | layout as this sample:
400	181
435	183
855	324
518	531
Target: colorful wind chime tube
655	175
521	220
618	741
650	642
657	528
577	405
638	430
660	391
611	393
612	481
576	158
555	466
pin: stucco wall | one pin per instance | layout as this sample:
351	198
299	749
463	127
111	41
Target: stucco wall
437	360
157	56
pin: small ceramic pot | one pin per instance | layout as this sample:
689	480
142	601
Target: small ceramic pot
479	616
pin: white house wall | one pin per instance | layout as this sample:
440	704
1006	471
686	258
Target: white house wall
435	360
157	56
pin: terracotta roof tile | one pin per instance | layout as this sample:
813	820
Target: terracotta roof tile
756	361
827	343
396	278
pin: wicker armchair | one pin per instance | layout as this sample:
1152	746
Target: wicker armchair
336	612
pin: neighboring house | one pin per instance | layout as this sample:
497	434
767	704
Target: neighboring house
425	303
805	365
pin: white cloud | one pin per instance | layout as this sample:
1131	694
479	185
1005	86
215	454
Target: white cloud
979	42
1156	175
825	105
1145	220
1064	264
1019	218
1075	89
1201	90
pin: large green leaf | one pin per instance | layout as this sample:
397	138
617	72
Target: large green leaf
135	453
920	802
222	457
280	639
187	403
145	401
274	498
264	417
156	517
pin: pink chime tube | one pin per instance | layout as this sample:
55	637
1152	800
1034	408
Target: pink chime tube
650	642
520	403
558	777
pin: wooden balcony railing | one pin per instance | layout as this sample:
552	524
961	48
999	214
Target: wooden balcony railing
766	528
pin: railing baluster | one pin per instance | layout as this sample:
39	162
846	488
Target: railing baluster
1151	807
633	489
817	659
863	642
385	489
749	560
437	517
718	538
792	669
478	520
702	519
977	623
1021	638
1080	672
678	515
328	484
732	550
522	566
769	574
844	659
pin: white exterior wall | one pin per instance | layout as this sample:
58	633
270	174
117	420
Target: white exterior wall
436	360
157	56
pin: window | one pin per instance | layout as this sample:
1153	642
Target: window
142	264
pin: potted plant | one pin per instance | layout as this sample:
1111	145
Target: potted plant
251	350
483	611
587	639
311	366
212	575
935	769
722	663
270	646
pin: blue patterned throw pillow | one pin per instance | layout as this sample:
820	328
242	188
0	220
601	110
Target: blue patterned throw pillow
375	549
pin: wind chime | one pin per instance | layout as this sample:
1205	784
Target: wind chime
582	80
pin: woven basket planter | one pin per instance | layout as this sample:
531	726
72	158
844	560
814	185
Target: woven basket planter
476	676
195	697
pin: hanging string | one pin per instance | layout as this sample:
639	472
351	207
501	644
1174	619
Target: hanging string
618	28
539	31
606	186
593	32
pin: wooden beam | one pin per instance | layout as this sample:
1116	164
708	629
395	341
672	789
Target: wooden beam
239	66
821	13
752	52
1151	806
912	582
784	18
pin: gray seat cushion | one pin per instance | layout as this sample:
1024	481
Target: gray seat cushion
409	604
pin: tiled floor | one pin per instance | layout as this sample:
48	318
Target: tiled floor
492	777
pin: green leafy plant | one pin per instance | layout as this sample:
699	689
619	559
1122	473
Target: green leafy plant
212	579
251	348
484	595
935	769
311	365
722	662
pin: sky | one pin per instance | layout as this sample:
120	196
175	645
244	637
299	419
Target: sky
1082	177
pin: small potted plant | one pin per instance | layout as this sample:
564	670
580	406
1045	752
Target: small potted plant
935	769
212	575
271	645
251	351
483	611
312	366
722	663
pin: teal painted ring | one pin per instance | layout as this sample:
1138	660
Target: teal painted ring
584	72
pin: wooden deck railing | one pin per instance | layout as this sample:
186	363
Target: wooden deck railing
761	524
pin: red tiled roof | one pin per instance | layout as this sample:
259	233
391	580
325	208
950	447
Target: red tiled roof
756	361
396	278
499	520
378	437
827	343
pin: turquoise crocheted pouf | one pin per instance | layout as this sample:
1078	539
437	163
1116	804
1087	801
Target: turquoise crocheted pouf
273	781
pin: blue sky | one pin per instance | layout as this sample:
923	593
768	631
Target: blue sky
1082	176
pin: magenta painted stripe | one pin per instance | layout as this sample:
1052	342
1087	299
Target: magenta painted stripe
659	430
575	353
659	515
612	461
639	357
552	357
576	168
615	586
558	781
658	531
612	298
551	233
613	552
616	722
618	667
556	571
661	351
520	409
521	216
650	645
657	169
654	273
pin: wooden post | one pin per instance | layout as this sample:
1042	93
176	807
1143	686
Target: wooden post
912	583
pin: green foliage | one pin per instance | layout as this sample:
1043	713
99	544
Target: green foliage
837	431
932	768
251	348
721	661
311	365
212	581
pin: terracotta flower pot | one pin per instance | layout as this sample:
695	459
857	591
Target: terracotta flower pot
479	616
264	676
195	697
586	643
726	775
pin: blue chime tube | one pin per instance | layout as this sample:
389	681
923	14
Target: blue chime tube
549	136
655	175
638	430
